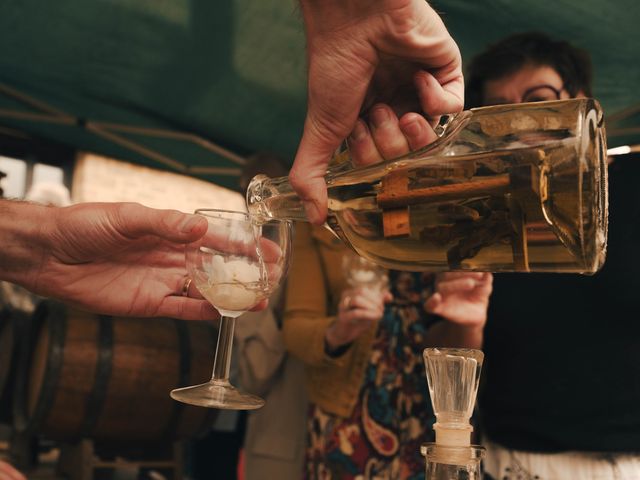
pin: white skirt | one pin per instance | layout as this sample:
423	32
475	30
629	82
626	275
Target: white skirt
503	464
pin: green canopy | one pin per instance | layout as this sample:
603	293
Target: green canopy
195	85
609	31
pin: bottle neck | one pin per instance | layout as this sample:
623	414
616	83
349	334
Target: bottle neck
274	198
452	462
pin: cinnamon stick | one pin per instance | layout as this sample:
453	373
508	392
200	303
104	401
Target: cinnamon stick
395	192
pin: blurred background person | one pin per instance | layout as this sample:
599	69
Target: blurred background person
561	382
274	439
362	349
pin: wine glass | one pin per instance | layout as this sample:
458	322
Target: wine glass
236	265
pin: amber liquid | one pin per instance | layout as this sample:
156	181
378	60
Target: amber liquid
516	210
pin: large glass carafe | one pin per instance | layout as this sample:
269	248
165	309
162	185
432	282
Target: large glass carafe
505	188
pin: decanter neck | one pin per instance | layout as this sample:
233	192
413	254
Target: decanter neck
274	198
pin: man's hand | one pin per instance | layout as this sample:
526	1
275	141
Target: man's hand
360	52
119	259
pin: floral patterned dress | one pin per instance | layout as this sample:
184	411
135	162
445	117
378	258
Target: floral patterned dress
393	416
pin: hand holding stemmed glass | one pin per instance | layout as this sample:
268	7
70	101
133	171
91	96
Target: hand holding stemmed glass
361	305
360	272
236	265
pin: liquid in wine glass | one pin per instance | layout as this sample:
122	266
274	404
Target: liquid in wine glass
235	266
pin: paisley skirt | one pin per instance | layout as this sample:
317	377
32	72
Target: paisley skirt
393	416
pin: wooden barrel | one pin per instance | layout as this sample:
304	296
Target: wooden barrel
6	361
108	378
12	324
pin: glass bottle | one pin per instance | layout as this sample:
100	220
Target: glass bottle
453	463
453	375
505	188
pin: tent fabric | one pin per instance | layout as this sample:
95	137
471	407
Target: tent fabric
196	85
609	31
232	72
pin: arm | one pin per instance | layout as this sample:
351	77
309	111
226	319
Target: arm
360	52
358	310
306	317
310	332
118	259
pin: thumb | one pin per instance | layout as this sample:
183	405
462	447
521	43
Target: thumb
321	138
309	168
334	101
135	220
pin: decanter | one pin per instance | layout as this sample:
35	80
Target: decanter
508	188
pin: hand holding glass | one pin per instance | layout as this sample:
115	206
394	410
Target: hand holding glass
360	272
235	266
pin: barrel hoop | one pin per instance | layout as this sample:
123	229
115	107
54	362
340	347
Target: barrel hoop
56	314
184	345
104	367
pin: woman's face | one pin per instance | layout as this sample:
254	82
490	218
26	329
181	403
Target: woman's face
532	83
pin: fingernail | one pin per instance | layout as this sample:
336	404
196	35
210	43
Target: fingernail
359	131
189	223
379	116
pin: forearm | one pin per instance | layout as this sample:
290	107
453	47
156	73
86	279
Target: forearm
452	335
23	241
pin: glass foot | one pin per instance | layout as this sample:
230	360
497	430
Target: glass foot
217	395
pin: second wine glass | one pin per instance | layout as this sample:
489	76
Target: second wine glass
236	265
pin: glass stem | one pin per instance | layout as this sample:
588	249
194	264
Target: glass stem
222	362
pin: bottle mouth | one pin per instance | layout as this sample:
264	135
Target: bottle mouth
255	196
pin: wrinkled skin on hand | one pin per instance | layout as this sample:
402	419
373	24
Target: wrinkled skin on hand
119	259
360	53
